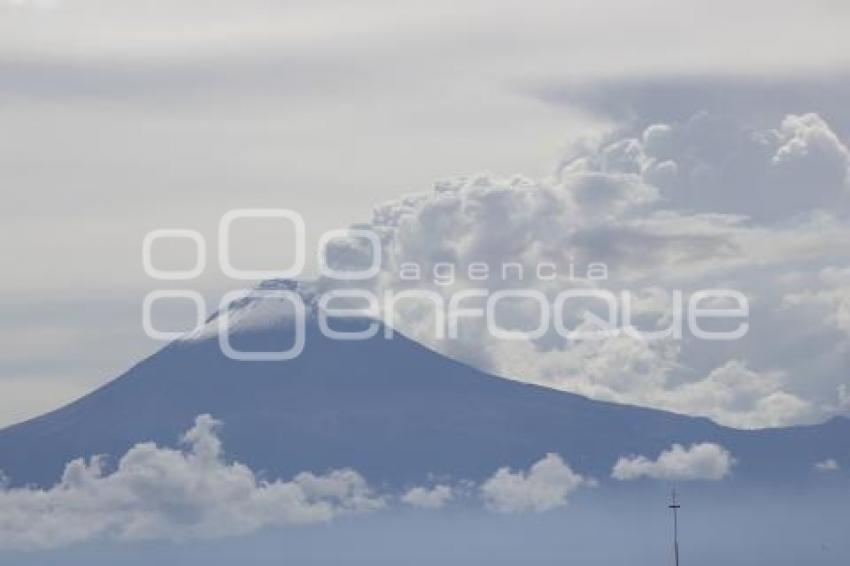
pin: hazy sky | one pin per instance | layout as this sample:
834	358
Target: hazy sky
119	118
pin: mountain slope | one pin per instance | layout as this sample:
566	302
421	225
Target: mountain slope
390	408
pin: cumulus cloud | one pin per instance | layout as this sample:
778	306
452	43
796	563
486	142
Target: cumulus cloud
546	485
159	492
738	396
627	370
699	204
813	159
428	498
705	461
828	465
710	164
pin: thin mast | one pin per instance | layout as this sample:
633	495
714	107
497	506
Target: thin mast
675	507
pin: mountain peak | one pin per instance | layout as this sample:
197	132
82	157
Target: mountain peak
258	308
281	284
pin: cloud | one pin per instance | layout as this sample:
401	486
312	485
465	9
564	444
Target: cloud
738	396
157	493
827	295
704	203
428	498
828	465
705	461
546	485
665	97
710	164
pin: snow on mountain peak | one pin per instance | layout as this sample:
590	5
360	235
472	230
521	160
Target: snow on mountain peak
272	303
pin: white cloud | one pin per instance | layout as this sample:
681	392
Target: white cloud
737	396
546	485
828	465
707	164
704	203
632	371
705	461
164	493
428	498
808	137
160	493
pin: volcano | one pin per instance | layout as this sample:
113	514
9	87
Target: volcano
392	409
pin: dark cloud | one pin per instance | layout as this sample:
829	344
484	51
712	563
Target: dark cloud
751	99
